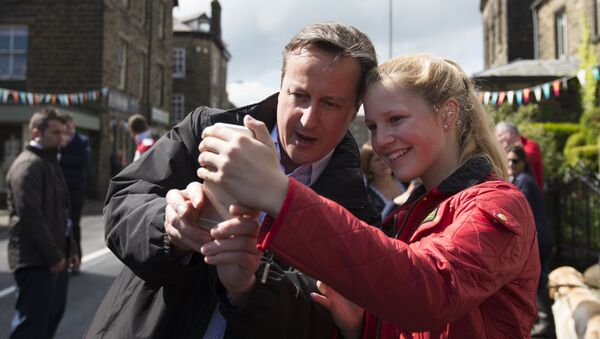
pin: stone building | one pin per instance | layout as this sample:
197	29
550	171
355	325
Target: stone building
200	60
122	47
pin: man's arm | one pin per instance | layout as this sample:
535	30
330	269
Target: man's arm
134	211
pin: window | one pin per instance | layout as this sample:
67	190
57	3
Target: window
13	52
146	20
178	102
161	21
561	34
160	86
122	64
178	62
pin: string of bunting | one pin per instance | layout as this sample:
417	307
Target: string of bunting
63	99
526	95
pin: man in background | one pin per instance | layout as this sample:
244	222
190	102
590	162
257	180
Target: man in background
74	162
39	236
508	135
138	128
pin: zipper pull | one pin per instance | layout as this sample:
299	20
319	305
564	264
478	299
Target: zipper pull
270	257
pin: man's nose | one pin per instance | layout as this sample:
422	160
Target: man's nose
310	116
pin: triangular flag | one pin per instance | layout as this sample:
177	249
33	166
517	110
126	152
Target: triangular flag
556	87
581	77
486	97
501	97
22	98
538	93
53	99
546	90
510	95
4	96
519	97
494	98
30	98
15	96
564	83
36	99
526	92
596	73
104	91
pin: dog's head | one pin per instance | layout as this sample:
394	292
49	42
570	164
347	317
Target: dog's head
563	279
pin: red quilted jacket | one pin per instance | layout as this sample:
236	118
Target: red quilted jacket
462	260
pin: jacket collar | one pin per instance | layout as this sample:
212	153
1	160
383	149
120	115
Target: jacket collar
46	153
472	172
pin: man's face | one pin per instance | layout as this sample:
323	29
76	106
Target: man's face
506	138
52	136
316	104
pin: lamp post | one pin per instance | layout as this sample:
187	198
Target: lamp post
391	31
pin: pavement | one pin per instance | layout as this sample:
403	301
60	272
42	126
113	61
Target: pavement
90	207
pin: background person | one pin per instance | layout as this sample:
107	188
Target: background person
463	262
153	206
520	175
508	135
74	161
138	128
39	240
382	186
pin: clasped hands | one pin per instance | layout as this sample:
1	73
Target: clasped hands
253	177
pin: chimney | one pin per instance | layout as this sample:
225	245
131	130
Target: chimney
215	19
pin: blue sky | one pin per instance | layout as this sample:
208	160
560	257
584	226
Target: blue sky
256	31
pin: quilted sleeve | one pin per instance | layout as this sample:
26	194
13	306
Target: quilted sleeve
418	286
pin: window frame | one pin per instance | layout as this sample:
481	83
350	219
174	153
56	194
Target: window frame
122	64
178	106
11	52
561	34
179	62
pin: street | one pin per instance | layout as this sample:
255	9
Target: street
86	290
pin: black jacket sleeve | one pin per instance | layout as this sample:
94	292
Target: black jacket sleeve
279	308
134	211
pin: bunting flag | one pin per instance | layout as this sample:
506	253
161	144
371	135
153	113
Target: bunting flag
494	98
546	89
526	92
596	73
556	87
510	95
537	91
66	99
519	97
581	77
486	97
501	97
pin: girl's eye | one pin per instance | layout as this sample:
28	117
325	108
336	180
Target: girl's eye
371	128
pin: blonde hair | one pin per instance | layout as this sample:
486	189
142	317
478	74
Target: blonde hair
366	154
437	80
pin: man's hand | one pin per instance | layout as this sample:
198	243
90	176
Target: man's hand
74	262
58	267
347	316
182	214
234	253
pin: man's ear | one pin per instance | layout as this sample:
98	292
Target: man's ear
36	134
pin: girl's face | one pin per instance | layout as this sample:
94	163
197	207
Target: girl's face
515	164
408	135
379	168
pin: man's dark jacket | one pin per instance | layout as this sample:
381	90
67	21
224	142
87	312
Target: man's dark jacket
160	295
74	160
37	201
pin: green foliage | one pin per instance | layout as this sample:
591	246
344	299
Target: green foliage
586	155
523	114
551	137
587	62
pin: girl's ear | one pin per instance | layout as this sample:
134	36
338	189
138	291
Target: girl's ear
450	113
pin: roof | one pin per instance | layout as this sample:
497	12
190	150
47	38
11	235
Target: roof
179	26
532	69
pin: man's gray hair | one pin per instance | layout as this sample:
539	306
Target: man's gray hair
507	126
340	40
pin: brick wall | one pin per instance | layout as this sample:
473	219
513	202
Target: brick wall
547	28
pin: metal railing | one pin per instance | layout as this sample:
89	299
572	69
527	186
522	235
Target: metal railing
574	212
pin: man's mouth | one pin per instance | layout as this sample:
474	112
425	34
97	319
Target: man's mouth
304	139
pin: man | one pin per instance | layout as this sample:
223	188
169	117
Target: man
39	237
508	135
167	290
138	128
74	160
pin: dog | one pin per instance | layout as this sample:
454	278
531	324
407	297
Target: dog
576	307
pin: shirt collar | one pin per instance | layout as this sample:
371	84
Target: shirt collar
308	174
35	144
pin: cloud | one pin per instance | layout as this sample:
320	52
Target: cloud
256	31
243	93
